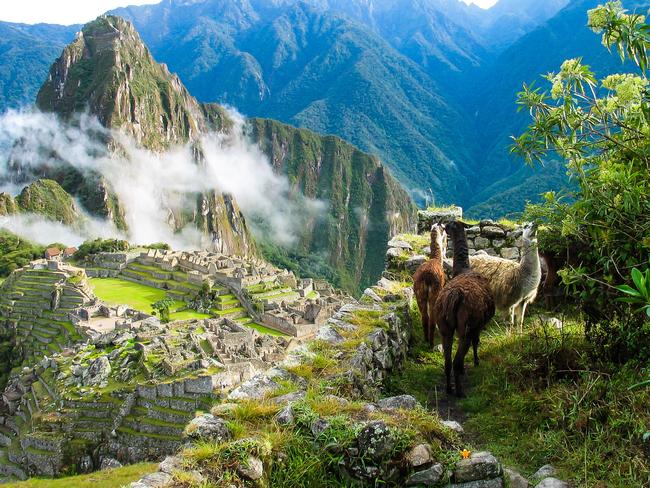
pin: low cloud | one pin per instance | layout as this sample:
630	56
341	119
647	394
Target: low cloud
149	184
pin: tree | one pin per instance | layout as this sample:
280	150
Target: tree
162	308
602	129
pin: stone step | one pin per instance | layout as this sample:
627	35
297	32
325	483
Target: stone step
147	425
128	435
164	414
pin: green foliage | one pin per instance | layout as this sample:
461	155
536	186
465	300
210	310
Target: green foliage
162	308
601	128
101	245
640	294
158	245
16	252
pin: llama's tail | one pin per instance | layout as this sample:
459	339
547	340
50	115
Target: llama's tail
454	300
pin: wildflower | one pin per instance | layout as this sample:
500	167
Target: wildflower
465	453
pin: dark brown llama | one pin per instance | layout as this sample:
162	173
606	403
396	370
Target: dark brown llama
428	280
464	307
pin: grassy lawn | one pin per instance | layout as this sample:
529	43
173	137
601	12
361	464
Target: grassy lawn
115	291
113	478
541	397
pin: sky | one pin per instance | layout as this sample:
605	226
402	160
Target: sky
60	11
81	11
482	3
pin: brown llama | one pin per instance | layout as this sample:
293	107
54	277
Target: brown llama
428	280
464	307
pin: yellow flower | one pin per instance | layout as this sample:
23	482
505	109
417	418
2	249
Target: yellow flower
465	453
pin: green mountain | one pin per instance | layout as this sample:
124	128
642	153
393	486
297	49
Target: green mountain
43	197
306	67
108	71
563	37
365	204
26	53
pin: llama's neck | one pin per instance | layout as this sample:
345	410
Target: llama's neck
435	253
461	253
530	263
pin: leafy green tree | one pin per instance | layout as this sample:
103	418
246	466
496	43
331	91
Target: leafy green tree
602	129
16	252
161	307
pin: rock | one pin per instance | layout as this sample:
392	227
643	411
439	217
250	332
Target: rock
420	455
109	463
153	480
480	466
551	321
252	469
481	243
393	253
319	426
498	243
254	389
98	371
413	263
329	334
493	231
551	482
405	402
545	471
493	483
285	416
400	244
428	477
370	293
207	427
515	480
223	409
170	464
453	425
510	253
375	441
288	398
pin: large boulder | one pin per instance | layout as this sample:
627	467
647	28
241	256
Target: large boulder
207	427
479	466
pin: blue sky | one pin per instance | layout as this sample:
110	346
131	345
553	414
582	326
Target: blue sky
82	11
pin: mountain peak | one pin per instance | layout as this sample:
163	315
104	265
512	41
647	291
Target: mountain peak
108	71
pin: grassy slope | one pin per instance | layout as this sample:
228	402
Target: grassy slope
538	399
113	478
116	291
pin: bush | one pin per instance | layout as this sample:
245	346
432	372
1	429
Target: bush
101	245
602	230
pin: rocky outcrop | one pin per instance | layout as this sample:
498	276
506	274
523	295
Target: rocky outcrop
109	72
366	205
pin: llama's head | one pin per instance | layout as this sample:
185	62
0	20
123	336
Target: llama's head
530	233
439	237
456	229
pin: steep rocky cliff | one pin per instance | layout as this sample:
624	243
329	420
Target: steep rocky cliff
109	72
366	205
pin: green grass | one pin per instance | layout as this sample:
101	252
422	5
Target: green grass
115	291
113	478
541	398
264	330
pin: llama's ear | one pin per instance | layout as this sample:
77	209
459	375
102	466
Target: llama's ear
465	224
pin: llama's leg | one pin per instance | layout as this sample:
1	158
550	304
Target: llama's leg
421	298
522	313
475	341
511	313
459	364
431	300
447	344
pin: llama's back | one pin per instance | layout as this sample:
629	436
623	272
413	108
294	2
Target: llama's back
467	296
503	276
